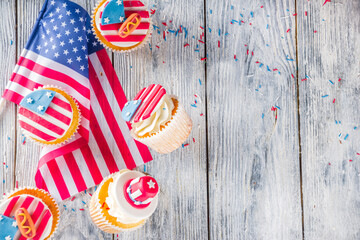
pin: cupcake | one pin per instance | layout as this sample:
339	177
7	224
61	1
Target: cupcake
124	201
158	120
28	213
121	25
48	115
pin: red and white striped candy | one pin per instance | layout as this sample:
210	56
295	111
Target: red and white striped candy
152	97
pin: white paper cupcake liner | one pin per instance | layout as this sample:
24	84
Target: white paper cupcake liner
172	136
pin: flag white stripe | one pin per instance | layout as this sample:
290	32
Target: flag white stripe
84	169
50	184
99	159
116	111
66	175
29	134
15	87
38	126
35	77
61	110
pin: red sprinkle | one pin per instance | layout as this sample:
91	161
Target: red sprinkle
157	46
201	115
234	56
339	79
350	160
334	100
180	30
288	30
201	27
261	6
305	13
201	41
358	153
185	145
292	76
204	58
193	139
275	69
326	1
247	52
81	209
17	184
186	45
273	108
257	62
252	53
315	31
164	23
218	43
303	79
294	14
152	11
102	206
73	198
329	163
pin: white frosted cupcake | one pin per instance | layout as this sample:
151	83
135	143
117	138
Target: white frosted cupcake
158	120
124	201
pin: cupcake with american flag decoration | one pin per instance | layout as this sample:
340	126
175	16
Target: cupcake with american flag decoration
49	116
158	120
121	25
28	213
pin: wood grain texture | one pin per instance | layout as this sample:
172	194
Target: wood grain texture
7	117
253	156
330	180
182	209
74	224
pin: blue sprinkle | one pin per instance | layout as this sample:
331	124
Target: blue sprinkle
267	26
130	66
287	10
85	191
307	76
177	32
95	188
193	37
226	34
193	105
4	181
340	135
186	32
210	11
336	122
241	15
324	96
339	122
172	31
182	145
252	14
259	85
261	65
196	50
262	116
331	82
156	27
346	136
199	81
73	210
150	46
210	30
277	107
355	128
219	32
144	168
267	45
232	7
11	42
158	32
268	68
84	202
8	138
290	59
257	90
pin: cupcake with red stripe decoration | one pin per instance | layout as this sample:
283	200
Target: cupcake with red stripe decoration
124	201
121	25
158	120
28	213
49	116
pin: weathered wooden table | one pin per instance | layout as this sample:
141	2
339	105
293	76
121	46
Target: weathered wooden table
275	149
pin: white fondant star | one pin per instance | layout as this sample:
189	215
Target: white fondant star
8	238
1	218
151	184
107	20
29	100
121	19
49	94
14	224
119	2
40	108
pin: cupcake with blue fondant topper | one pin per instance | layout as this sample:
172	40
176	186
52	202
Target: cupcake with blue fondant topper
49	116
121	25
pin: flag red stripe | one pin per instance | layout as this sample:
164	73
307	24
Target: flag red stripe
41	121
139	94
116	26
25	82
12	96
110	118
75	172
58	76
39	180
36	131
133	4
83	132
58	179
44	222
62	104
152	90
143	14
103	146
130	38
59	116
120	97
11	205
92	165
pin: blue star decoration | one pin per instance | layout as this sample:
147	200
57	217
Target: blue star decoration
63	34
129	109
8	228
113	13
38	101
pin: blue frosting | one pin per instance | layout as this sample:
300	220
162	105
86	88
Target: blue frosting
113	12
38	101
8	227
129	109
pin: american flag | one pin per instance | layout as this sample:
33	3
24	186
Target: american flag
62	51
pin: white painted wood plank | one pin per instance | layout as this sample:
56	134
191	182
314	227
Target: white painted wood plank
253	156
7	116
330	180
74	224
182	209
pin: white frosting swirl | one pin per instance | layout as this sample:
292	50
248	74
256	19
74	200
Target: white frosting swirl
157	119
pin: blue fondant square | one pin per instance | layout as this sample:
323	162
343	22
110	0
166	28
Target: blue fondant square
38	101
130	109
8	227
